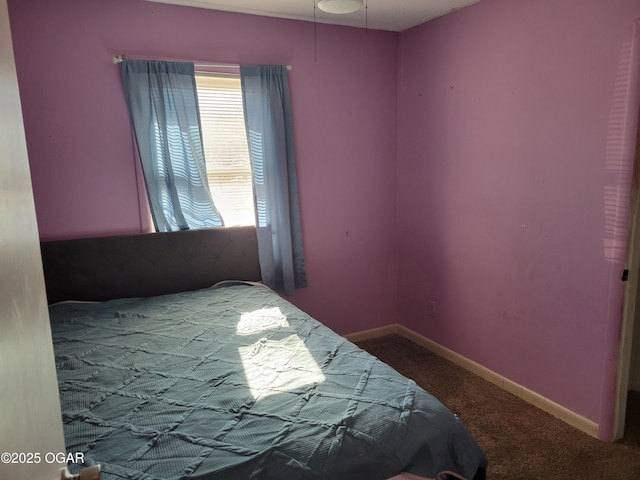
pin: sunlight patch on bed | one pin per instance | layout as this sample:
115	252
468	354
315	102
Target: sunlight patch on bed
283	365
261	320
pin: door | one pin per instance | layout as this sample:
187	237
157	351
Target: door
30	420
631	308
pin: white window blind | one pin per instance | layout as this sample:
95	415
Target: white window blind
225	147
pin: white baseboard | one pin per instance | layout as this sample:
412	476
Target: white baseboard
577	421
374	333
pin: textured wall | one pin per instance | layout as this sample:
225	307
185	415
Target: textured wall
343	87
517	124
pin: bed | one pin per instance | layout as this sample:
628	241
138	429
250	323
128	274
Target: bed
175	363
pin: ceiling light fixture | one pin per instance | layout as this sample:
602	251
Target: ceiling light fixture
340	6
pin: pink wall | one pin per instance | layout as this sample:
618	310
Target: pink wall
516	129
513	145
344	106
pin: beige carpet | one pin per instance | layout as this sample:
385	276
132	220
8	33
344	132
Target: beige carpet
521	441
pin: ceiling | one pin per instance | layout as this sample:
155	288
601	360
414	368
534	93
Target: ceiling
392	15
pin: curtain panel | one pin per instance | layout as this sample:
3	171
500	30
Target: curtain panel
163	104
267	108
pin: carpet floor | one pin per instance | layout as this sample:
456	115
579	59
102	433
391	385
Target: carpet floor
521	441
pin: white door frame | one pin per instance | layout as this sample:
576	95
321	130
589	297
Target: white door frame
630	305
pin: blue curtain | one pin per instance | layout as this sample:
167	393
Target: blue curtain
267	108
163	103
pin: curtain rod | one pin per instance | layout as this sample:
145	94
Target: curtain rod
119	58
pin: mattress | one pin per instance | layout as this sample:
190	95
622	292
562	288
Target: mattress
235	382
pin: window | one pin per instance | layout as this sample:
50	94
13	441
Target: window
164	95
225	146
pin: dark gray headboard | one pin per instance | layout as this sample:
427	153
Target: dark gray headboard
150	264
